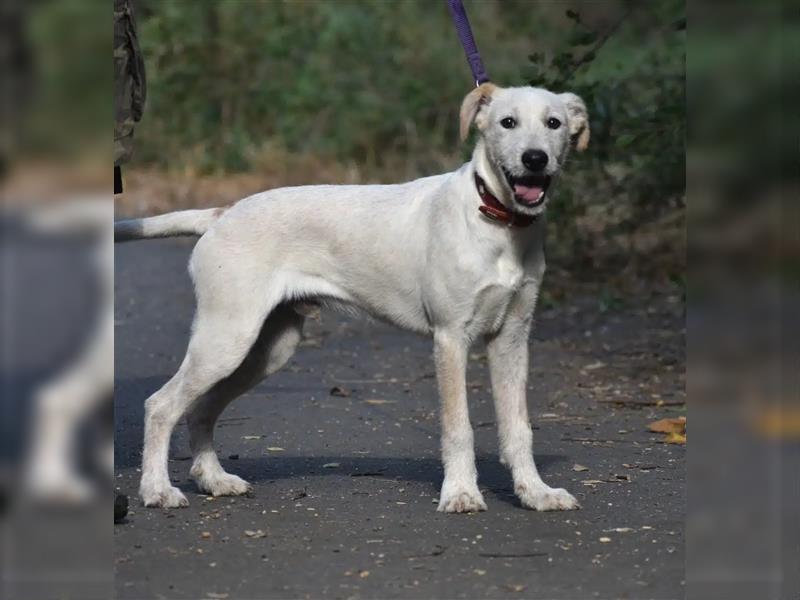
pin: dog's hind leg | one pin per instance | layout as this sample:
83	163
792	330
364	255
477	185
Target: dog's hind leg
232	306
276	343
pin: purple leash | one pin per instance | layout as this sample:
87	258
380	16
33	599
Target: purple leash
461	22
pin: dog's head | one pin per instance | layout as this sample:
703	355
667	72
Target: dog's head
527	133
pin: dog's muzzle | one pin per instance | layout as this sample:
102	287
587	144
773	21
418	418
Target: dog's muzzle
529	190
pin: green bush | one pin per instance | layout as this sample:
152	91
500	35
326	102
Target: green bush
635	172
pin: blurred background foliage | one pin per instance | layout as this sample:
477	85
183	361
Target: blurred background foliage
246	95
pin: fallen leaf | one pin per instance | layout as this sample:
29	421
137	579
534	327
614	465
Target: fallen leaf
340	392
479	572
363	574
205	535
579	468
595	365
674	428
252	437
516	587
675	438
640	466
668	426
604	540
375	401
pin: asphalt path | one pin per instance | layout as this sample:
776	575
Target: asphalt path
346	484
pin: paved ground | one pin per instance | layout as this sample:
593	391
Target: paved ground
345	487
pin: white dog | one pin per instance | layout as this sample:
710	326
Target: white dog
457	256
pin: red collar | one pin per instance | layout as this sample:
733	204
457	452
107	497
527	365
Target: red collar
496	210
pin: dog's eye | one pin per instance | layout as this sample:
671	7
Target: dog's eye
553	123
508	123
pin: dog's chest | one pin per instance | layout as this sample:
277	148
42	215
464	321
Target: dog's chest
495	291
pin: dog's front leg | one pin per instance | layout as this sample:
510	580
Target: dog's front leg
460	491
508	364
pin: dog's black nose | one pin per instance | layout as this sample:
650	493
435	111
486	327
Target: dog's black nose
534	160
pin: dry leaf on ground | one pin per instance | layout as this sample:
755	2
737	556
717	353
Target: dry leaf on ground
674	428
668	425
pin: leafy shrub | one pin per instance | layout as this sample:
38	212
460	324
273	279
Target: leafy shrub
635	172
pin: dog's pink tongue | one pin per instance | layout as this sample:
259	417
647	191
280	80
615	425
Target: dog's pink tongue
528	194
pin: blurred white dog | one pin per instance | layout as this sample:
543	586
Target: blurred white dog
457	256
64	403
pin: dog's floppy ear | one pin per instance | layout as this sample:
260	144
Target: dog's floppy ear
472	103
578	120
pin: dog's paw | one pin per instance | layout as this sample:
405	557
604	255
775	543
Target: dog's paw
461	500
164	497
223	484
543	497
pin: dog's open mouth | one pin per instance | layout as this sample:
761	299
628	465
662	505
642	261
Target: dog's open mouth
529	190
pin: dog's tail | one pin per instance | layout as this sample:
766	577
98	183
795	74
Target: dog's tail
184	222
